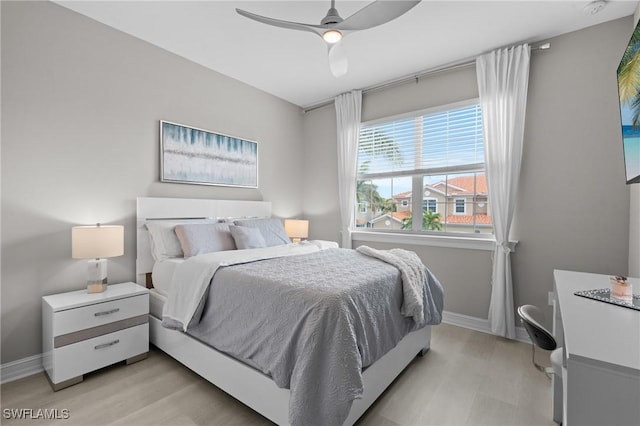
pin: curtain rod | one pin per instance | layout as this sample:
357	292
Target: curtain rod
416	77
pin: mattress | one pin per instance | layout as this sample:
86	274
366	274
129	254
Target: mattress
156	303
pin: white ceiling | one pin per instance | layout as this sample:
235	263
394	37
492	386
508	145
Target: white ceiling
293	65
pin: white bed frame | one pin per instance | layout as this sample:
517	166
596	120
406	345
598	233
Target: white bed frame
239	380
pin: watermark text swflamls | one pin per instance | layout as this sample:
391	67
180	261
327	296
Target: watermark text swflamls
36	413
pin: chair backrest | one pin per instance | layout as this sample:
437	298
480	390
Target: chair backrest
540	336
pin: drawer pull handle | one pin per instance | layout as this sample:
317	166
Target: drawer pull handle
106	345
112	311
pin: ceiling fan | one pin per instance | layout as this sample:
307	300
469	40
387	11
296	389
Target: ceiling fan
333	28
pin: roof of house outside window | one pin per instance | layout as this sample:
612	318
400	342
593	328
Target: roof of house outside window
465	183
458	219
457	186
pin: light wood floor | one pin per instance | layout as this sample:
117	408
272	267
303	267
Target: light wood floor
467	378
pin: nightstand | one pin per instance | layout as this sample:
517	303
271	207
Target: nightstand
83	332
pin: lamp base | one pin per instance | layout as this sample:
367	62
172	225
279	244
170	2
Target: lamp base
97	276
96	287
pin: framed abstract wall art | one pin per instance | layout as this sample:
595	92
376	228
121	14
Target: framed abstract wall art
197	156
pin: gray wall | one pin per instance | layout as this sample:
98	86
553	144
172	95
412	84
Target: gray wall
320	176
634	231
573	207
573	162
80	109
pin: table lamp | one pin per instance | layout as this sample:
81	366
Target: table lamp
97	243
296	229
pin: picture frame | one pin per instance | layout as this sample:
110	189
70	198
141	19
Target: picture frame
202	157
630	108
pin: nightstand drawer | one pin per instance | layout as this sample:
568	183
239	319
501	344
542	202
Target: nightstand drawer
76	359
85	317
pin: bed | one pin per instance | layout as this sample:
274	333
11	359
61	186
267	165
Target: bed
242	378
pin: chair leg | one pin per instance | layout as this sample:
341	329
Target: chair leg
548	371
557	398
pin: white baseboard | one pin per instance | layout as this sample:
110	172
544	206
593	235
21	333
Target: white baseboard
522	335
24	367
479	324
33	365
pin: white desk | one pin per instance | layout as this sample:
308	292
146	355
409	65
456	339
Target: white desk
602	353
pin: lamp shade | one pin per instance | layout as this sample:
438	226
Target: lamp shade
98	241
296	228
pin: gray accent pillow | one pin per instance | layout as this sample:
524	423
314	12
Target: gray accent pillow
247	237
272	230
201	238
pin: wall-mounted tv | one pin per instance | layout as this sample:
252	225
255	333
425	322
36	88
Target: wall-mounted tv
629	91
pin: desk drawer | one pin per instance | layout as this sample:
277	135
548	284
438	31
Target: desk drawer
82	357
99	314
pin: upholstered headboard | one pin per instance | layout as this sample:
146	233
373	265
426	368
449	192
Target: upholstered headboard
153	208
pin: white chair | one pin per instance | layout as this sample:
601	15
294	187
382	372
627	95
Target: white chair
530	317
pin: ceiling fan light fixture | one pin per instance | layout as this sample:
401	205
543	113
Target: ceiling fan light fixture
332	36
375	13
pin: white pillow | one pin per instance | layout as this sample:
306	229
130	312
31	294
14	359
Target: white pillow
272	230
201	238
164	241
247	237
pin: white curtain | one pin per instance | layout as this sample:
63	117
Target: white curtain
503	77
348	112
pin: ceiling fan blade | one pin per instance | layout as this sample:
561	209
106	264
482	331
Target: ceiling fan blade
318	29
338	60
376	13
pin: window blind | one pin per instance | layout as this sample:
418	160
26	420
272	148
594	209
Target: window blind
441	142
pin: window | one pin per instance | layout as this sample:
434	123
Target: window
430	204
428	169
362	207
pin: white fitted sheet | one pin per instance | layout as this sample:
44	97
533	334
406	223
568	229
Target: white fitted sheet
162	274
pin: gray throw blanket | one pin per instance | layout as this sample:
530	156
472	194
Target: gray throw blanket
414	276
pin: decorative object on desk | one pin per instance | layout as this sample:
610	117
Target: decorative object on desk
296	229
97	243
197	156
604	295
621	289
